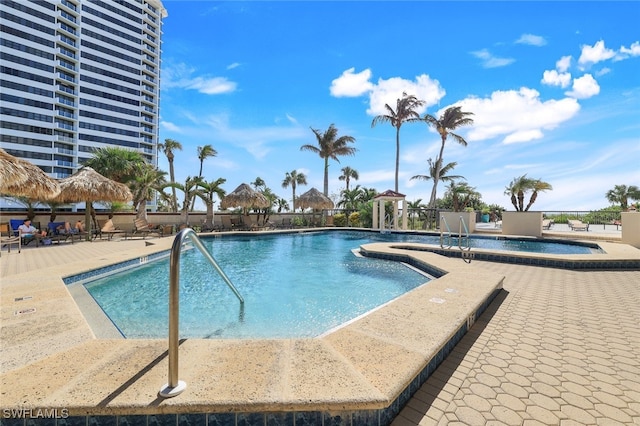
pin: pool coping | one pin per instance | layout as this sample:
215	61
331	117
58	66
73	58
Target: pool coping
370	366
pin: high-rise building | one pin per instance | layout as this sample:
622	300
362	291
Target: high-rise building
77	75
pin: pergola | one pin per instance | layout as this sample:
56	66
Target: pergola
379	202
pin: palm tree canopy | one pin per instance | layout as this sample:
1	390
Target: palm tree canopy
330	146
169	146
205	152
520	185
622	194
451	119
405	111
115	163
443	172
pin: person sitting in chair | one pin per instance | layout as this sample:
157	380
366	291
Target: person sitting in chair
79	227
28	230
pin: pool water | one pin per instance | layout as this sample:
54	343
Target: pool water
294	286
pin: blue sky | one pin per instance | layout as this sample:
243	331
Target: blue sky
554	88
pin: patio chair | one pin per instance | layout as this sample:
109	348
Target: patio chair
578	225
142	227
547	224
108	230
25	239
7	237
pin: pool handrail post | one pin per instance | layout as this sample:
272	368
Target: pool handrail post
466	233
442	219
175	387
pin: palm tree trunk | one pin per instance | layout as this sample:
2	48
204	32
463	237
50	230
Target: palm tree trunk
326	176
436	176
141	212
397	155
532	200
174	199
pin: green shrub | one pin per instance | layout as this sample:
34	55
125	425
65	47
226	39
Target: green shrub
339	219
354	219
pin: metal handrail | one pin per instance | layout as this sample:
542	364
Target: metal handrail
465	257
466	234
174	387
443	220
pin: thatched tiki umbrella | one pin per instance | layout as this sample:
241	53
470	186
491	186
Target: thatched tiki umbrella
246	197
20	178
88	185
314	199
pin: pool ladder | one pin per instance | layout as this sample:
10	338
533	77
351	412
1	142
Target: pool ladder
175	386
465	248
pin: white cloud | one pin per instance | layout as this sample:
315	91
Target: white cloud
596	53
351	84
532	40
181	76
625	52
563	64
554	78
389	91
211	86
518	116
584	87
169	126
233	65
490	61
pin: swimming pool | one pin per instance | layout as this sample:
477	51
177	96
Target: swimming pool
294	285
288	287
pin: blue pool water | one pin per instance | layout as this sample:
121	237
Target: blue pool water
294	285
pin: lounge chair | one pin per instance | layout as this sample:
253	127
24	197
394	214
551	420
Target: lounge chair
142	228
56	235
7	237
547	224
25	239
108	230
578	225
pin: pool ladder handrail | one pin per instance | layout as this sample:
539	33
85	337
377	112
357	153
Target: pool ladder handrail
175	386
443	220
467	246
461	225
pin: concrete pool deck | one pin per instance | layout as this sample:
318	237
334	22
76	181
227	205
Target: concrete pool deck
556	344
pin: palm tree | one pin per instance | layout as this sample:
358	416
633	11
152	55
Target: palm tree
519	186
207	191
330	146
622	194
205	152
443	172
190	189
294	178
147	179
451	119
405	112
347	174
168	147
115	163
349	198
462	195
282	204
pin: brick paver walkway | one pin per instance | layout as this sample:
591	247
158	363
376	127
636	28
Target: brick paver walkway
557	347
